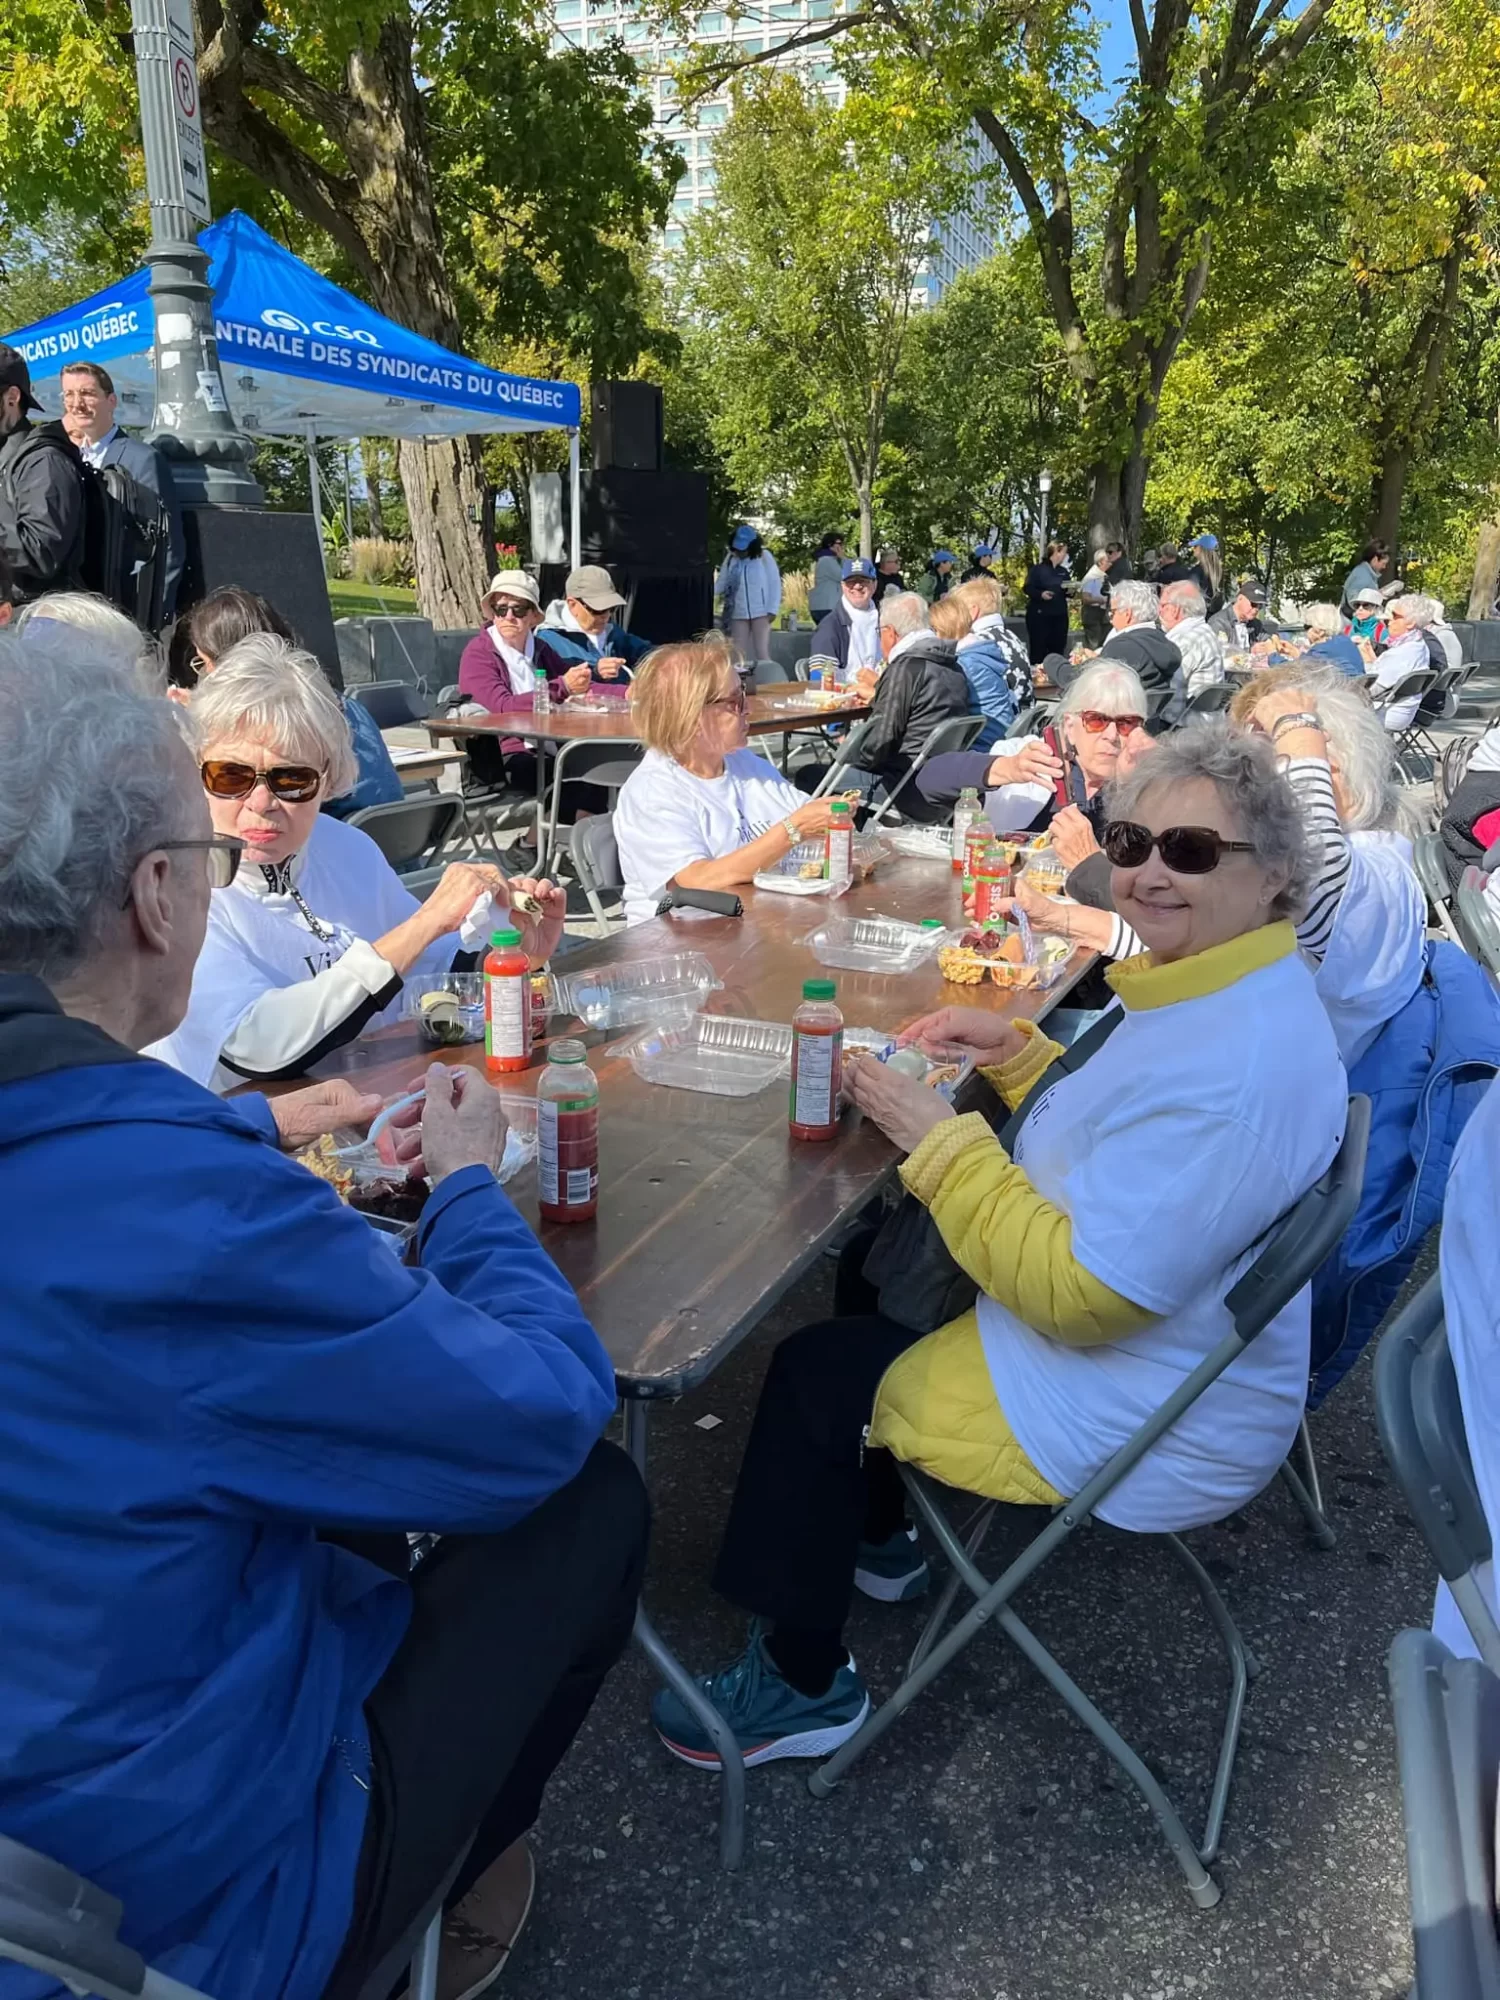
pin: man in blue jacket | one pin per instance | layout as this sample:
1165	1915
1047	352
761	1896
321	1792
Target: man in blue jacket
270	1747
585	627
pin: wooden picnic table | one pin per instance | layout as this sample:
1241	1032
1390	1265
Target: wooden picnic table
708	1210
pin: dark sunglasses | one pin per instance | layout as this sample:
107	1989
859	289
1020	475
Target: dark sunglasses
1186	850
294	784
1096	724
221	851
503	610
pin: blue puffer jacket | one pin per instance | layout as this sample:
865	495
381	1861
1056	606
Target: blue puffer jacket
985	664
207	1356
614	642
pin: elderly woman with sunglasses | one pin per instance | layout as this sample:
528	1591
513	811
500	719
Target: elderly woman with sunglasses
498	668
311	941
1102	1251
701	810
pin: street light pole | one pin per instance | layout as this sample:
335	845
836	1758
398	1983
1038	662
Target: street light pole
1044	487
192	424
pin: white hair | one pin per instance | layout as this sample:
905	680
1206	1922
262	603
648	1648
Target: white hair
106	628
1326	619
1416	609
92	775
1359	747
1139	599
278	695
1188	598
904	612
1108	686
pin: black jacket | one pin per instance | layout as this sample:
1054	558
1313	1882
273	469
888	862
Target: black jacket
1226	625
149	468
41	509
922	688
1148	649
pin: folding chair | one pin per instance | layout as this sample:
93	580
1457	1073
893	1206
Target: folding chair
770	673
389	702
412	830
1478	925
1411	684
1427	859
1030	721
1211	700
1298	1244
596	867
58	1923
606	761
1448	1746
957	733
846	754
1420	1418
1439	704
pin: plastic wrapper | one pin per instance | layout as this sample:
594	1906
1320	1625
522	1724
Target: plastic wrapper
636	991
946	1066
920	843
873	944
717	1053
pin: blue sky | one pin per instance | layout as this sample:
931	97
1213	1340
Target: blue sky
1118	48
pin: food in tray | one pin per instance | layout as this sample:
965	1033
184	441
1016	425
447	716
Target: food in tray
442	1019
999	954
396	1198
321	1158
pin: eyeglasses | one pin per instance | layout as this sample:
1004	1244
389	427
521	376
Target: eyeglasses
513	610
294	784
1096	724
221	851
735	700
859	583
1186	850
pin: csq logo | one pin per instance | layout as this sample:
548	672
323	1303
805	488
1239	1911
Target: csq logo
286	322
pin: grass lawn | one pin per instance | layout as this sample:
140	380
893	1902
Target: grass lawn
369	600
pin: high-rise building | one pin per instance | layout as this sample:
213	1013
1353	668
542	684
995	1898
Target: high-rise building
962	240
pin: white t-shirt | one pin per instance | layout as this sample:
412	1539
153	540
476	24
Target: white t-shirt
1194	1129
1470	1262
1407	656
864	635
666	818
1373	963
258	941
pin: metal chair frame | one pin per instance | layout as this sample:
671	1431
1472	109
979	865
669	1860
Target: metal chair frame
1419	682
606	761
956	732
1439	704
585	836
1478	925
1296	1247
1211	700
1420	1419
1427	859
843	757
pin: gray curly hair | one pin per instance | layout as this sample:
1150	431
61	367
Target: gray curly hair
277	694
1243	770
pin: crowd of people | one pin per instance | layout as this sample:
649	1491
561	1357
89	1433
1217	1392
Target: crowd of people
232	1693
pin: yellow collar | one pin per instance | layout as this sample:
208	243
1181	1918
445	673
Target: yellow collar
1140	984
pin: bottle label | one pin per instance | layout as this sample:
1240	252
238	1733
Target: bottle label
839	866
567	1154
816	1068
507	1014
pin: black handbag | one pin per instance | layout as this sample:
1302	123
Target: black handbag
921	1284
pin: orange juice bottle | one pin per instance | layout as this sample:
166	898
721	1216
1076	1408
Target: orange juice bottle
507	1005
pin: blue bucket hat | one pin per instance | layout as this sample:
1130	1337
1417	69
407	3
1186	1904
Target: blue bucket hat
943	555
983	553
742	537
859	566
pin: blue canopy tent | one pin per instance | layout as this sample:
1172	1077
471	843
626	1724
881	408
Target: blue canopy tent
300	358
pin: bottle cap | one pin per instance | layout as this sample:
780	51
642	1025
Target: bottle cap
819	989
839	806
567	1052
933	924
500	939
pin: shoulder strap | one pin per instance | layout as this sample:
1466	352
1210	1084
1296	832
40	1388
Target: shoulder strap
1071	1059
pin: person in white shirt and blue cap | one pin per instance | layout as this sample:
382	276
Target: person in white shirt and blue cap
850	633
750	585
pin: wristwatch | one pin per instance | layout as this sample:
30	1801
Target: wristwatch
792	831
1301	721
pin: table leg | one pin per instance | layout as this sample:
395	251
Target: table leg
541	806
677	1677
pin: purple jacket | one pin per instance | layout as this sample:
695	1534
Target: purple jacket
482	677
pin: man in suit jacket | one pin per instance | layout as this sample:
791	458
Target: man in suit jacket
89	403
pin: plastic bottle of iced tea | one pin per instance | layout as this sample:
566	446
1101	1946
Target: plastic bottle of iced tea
817	1062
567	1135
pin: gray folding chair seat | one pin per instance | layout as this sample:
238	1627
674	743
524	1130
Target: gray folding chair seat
956	733
1421	1421
606	762
1427	859
390	702
1478	925
1211	700
1299	1243
768	673
412	831
58	1923
596	867
1448	1747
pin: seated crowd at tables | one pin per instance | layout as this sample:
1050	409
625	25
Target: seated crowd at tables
232	1696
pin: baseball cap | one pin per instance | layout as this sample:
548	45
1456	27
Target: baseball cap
859	566
14	374
1252	592
742	537
511	583
1369	596
590	584
943	555
1204	542
983	552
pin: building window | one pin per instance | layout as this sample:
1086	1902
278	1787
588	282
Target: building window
711	24
567	11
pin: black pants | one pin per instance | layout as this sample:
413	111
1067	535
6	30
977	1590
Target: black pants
808	1493
510	1638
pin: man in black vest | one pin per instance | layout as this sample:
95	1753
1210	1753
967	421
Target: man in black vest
41	490
89	404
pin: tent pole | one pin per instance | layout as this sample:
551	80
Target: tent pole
574	499
317	497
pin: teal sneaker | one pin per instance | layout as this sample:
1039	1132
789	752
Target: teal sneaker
893	1571
769	1717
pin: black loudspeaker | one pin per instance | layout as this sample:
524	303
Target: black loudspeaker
662	605
657	519
278	555
626	425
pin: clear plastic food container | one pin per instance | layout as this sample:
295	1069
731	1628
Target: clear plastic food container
644	989
718	1053
964	967
920	843
873	944
946	1066
448	1008
799	872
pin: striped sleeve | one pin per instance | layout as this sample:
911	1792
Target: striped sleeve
1312	781
1123	941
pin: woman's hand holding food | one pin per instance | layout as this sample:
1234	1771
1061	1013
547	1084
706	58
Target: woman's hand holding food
815	817
577	679
904	1107
537	909
610	666
1032	764
992	1038
1072	837
304	1115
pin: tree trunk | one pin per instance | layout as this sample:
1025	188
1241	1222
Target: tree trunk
867	522
1106	506
1486	570
1387	490
441	480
